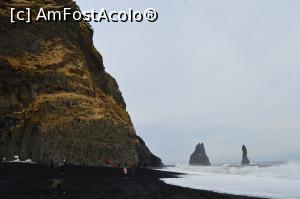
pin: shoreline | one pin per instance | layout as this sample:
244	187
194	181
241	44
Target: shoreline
29	181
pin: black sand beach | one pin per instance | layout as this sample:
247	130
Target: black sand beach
27	181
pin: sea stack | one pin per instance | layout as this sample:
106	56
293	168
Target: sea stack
57	102
199	157
245	160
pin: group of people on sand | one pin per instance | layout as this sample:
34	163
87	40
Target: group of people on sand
134	166
56	172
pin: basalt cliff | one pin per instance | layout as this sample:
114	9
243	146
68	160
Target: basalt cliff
56	100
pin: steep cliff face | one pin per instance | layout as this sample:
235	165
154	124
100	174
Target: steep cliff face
199	156
56	100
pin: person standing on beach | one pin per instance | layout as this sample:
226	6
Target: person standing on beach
125	169
43	168
57	171
62	167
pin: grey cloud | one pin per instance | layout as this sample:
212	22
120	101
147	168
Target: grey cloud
222	72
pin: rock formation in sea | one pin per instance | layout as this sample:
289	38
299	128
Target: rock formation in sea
56	100
199	156
245	160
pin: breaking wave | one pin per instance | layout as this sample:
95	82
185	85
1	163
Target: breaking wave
271	180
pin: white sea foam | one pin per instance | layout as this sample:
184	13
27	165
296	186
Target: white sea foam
280	181
17	160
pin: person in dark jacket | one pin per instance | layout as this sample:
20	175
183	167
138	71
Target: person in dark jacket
57	186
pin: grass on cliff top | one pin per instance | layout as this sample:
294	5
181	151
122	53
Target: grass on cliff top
63	107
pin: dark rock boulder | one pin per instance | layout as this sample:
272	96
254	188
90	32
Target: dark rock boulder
199	156
245	160
57	102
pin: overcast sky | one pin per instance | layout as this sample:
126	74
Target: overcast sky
223	72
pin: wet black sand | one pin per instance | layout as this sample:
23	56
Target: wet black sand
24	181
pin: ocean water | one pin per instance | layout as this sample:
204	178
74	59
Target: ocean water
270	180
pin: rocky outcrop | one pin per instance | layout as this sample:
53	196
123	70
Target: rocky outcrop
56	100
245	160
199	156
